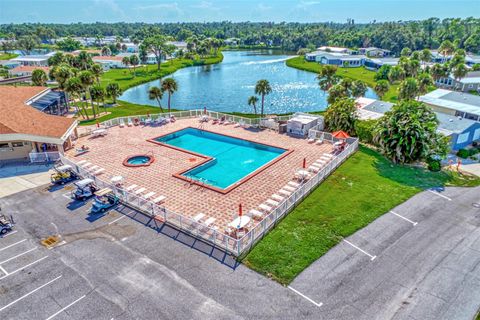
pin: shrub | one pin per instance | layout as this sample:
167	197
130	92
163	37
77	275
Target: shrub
434	165
463	153
365	130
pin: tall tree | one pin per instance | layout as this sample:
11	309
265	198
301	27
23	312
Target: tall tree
113	91
408	89
97	71
155	44
155	93
381	88
87	79
263	88
407	133
134	61
126	61
74	87
97	93
252	101
327	77
341	115
425	81
39	77
170	86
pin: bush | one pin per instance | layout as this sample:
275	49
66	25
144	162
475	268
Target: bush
364	130
463	153
434	165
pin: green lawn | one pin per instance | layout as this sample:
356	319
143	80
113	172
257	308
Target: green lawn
125	77
8	56
352	73
362	189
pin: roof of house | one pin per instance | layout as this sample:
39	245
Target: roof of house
31	58
28	69
76	52
471	78
19	117
107	58
453	100
371	109
333	49
448	124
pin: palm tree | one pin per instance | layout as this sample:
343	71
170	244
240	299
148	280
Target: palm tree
39	77
106	51
61	74
113	91
426	56
446	48
87	79
97	71
425	81
358	89
169	86
327	77
126	61
381	88
438	71
155	93
252	101
84	60
459	71
134	61
408	89
263	88
97	92
74	87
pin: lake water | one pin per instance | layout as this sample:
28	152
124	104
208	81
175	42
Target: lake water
226	86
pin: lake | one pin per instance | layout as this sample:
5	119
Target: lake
226	86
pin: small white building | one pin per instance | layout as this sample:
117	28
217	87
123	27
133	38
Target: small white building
109	62
300	123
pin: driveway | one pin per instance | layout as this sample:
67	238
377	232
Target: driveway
420	261
18	178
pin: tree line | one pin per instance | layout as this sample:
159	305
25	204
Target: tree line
394	36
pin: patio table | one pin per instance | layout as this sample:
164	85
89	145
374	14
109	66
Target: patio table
239	222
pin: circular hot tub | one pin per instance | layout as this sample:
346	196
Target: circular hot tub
138	161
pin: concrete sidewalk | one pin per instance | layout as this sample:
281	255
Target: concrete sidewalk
17	178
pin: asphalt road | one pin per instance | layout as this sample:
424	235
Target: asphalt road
123	266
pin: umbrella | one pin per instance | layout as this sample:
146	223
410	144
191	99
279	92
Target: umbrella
304	163
240	213
98	124
204	110
340	134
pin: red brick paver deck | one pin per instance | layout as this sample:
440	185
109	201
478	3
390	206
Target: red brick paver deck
110	151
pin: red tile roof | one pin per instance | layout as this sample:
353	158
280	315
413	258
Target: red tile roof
28	69
18	117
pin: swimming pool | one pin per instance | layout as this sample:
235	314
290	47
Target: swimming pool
229	160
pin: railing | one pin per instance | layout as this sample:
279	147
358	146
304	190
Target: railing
36	157
212	235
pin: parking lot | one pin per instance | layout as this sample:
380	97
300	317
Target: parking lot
421	261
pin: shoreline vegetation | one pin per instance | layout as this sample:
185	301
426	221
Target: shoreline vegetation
359	73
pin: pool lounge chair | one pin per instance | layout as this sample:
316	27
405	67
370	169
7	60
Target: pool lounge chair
272	203
265	207
148	195
294	184
79	163
121	123
319	142
313	168
99	171
93	168
258	215
286	193
131	187
329	155
277	197
159	200
311	140
209	221
288	188
198	217
86	164
148	121
138	191
129	122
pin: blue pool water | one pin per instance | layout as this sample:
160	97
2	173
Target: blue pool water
233	159
138	160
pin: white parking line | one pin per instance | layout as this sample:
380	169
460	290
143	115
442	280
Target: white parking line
362	251
13	244
20	269
31	292
3	270
67	195
439	194
305	297
18	255
65	308
406	219
10	233
112	222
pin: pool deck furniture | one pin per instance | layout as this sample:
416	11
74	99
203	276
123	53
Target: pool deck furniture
302	175
138	191
149	195
98	171
121	123
93	168
81	162
131	187
240	222
86	164
182	198
129	122
265	207
159	200
289	188
294	184
277	197
198	217
209	221
271	202
319	142
256	214
99	133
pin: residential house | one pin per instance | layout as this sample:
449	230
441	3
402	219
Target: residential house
340	59
9	64
377	63
33	60
461	131
25	131
22	71
336	50
374	52
109	62
471	82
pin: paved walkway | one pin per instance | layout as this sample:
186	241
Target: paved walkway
473	168
17	178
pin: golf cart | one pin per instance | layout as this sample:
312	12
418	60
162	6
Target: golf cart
6	224
63	174
85	189
104	200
